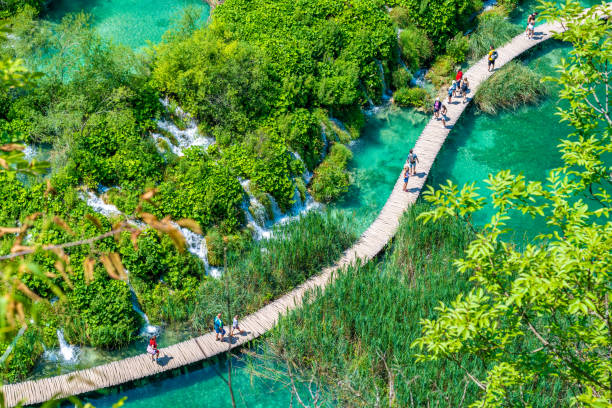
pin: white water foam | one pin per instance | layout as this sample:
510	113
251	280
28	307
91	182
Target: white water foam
196	244
147	330
67	353
99	206
186	138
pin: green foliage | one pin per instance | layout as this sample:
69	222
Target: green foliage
268	268
538	313
400	16
514	85
457	48
416	47
442	71
411	97
441	20
10	7
355	336
331	179
25	352
401	78
201	189
493	29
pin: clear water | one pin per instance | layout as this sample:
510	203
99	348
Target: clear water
522	141
203	387
378	157
130	22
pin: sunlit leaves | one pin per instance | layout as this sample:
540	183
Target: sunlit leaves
548	302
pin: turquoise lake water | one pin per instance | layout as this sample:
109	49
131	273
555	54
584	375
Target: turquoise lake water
522	141
130	22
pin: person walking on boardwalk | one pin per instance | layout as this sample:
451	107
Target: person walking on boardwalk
531	24
492	57
412	162
219	330
458	78
406	177
152	349
443	114
451	91
436	107
465	86
235	326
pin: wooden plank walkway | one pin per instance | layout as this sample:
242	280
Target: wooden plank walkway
371	242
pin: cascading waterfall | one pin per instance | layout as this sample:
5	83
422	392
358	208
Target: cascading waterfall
385	89
148	330
99	206
184	139
67	353
196	244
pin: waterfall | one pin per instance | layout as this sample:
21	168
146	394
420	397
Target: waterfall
419	78
29	152
385	90
67	353
196	244
184	139
99	206
148	329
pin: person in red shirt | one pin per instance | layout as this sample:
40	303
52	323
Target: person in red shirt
152	348
458	78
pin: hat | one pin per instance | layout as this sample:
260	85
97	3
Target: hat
438	98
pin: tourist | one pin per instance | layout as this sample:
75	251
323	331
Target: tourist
235	326
436	107
458	78
451	91
219	327
406	177
492	57
412	162
465	87
531	24
443	114
152	349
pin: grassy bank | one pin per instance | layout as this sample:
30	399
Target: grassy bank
357	335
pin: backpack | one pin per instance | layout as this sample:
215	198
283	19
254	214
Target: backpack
412	158
494	56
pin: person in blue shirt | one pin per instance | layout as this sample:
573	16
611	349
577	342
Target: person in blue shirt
219	327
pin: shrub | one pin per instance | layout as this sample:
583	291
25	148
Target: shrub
401	78
441	19
493	29
442	71
457	48
512	86
411	97
331	179
416	47
400	16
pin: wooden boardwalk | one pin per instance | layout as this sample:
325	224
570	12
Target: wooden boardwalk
367	247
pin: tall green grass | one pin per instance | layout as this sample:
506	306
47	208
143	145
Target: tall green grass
514	85
356	336
270	268
370	315
493	29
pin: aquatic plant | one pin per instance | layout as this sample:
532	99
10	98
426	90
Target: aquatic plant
356	334
270	267
492	29
331	179
512	86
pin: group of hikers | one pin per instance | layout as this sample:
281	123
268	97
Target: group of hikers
153	350
459	88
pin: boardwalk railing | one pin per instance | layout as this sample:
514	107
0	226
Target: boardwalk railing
371	242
